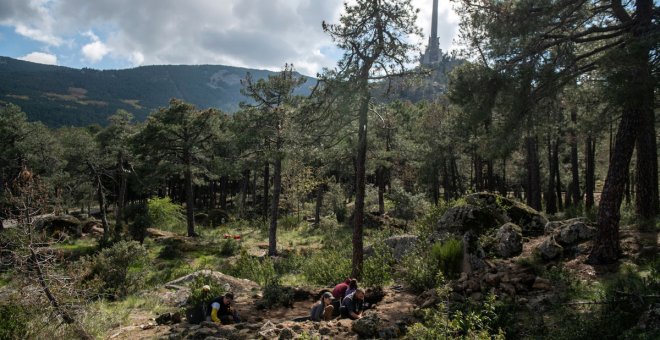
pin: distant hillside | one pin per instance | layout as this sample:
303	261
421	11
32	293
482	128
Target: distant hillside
61	96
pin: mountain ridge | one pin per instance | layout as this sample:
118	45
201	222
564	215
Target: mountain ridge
64	96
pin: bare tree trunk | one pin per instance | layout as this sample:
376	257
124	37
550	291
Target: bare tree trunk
606	244
68	319
646	170
190	198
575	184
490	177
590	180
558	174
266	188
533	175
550	198
478	173
102	209
274	208
446	183
245	184
223	192
121	199
503	189
360	184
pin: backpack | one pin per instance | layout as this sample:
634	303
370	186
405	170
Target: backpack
196	314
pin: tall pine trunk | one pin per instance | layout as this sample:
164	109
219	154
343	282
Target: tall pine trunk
533	174
190	197
575	184
121	198
646	170
590	179
102	208
223	192
638	98
245	187
275	204
266	188
360	182
555	156
550	198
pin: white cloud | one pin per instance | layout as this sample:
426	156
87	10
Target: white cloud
137	58
38	35
95	50
248	33
41	58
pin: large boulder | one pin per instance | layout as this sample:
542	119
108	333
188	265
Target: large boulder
367	325
508	240
463	218
549	249
531	221
473	253
573	233
52	224
399	245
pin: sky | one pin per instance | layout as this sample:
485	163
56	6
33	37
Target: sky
117	34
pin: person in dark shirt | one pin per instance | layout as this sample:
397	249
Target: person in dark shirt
352	287
221	310
352	305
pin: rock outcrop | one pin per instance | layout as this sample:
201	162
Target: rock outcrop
399	245
367	325
508	240
531	221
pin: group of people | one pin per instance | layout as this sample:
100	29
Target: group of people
346	298
346	301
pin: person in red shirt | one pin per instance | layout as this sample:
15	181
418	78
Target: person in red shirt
340	290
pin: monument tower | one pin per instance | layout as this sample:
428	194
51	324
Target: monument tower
433	53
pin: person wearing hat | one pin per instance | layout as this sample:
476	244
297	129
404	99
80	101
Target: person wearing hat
222	311
322	309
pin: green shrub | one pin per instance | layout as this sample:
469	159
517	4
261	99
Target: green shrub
418	271
472	321
377	270
290	264
428	222
229	247
274	294
252	268
166	215
334	201
407	206
327	267
449	255
14	320
141	221
117	271
421	268
198	296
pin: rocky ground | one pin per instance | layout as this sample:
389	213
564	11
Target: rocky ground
500	260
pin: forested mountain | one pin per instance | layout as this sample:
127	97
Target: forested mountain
62	96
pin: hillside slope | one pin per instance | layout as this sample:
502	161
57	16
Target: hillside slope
62	96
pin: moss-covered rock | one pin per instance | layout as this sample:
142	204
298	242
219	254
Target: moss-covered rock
531	221
58	224
464	218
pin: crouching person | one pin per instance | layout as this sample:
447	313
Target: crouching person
352	305
322	309
222	312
